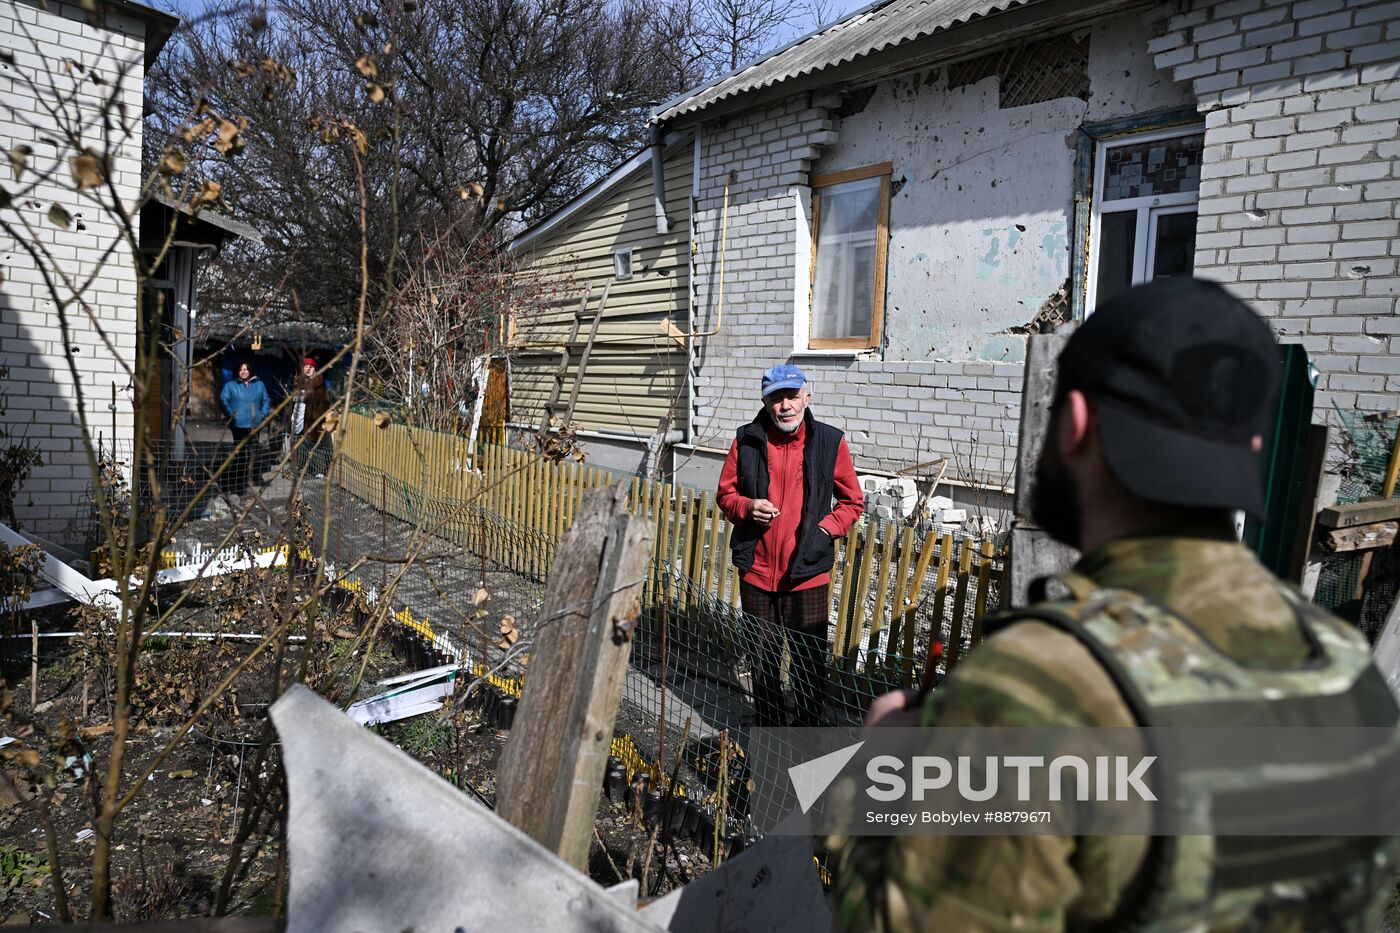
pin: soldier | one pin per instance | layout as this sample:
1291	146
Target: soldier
1155	431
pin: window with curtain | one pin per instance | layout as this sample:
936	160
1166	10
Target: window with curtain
850	217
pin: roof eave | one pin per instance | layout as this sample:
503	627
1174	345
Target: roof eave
939	47
589	195
160	25
662	112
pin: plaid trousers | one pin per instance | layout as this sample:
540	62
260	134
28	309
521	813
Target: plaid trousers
800	619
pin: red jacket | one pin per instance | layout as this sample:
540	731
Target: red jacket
773	554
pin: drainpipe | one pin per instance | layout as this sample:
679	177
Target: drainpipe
691	293
658	178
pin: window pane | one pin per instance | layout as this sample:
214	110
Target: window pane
1176	245
1117	240
843	294
1164	166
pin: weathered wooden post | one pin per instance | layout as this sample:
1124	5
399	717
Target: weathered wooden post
1034	553
551	771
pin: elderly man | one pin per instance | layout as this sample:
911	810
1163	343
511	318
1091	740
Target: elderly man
784	471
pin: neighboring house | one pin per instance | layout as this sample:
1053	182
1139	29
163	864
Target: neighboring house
44	42
917	187
180	237
609	235
275	349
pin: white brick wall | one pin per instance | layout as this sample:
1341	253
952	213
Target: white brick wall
1300	209
894	413
1299	214
44	402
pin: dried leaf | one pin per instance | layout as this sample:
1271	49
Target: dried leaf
201	129
524	660
258	20
375	93
59	217
87	170
507	624
208	193
381	419
480	597
368	66
366	20
19	159
172	161
229	142
179	775
361	141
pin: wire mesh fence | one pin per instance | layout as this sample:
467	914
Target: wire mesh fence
460	519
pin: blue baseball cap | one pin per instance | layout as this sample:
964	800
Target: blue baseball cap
782	376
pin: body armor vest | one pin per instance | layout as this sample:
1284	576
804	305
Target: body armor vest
1170	675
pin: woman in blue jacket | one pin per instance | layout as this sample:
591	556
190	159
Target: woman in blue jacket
246	403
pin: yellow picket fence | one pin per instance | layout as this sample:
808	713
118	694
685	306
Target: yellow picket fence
894	588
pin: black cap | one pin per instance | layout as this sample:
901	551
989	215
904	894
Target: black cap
1183	376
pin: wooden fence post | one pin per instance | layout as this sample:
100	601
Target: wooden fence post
1034	553
551	770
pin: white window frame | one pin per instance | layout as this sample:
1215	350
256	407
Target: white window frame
1148	209
880	172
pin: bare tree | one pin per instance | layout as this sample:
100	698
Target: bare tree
475	115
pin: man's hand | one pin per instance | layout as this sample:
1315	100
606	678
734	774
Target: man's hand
763	512
898	708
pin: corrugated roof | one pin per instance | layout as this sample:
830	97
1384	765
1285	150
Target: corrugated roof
875	28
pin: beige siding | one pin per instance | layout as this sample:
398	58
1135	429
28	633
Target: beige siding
635	373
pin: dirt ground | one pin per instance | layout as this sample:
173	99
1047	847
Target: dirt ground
173	844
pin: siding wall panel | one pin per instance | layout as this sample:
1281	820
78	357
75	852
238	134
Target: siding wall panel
636	373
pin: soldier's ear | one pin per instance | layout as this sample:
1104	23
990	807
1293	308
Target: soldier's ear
1077	422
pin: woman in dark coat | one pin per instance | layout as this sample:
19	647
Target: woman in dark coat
310	401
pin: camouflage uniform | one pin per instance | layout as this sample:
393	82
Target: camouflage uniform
1135	595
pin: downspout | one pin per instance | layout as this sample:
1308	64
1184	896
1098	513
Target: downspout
690	356
658	177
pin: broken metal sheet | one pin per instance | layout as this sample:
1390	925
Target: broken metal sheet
41	599
379	842
76	585
409	695
771	887
69	584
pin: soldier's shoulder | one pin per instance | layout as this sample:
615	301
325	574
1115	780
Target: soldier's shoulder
1031	672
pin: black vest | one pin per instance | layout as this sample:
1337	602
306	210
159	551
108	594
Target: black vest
815	551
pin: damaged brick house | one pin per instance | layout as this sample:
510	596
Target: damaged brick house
914	189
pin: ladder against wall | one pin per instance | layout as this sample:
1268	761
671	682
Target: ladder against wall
561	412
